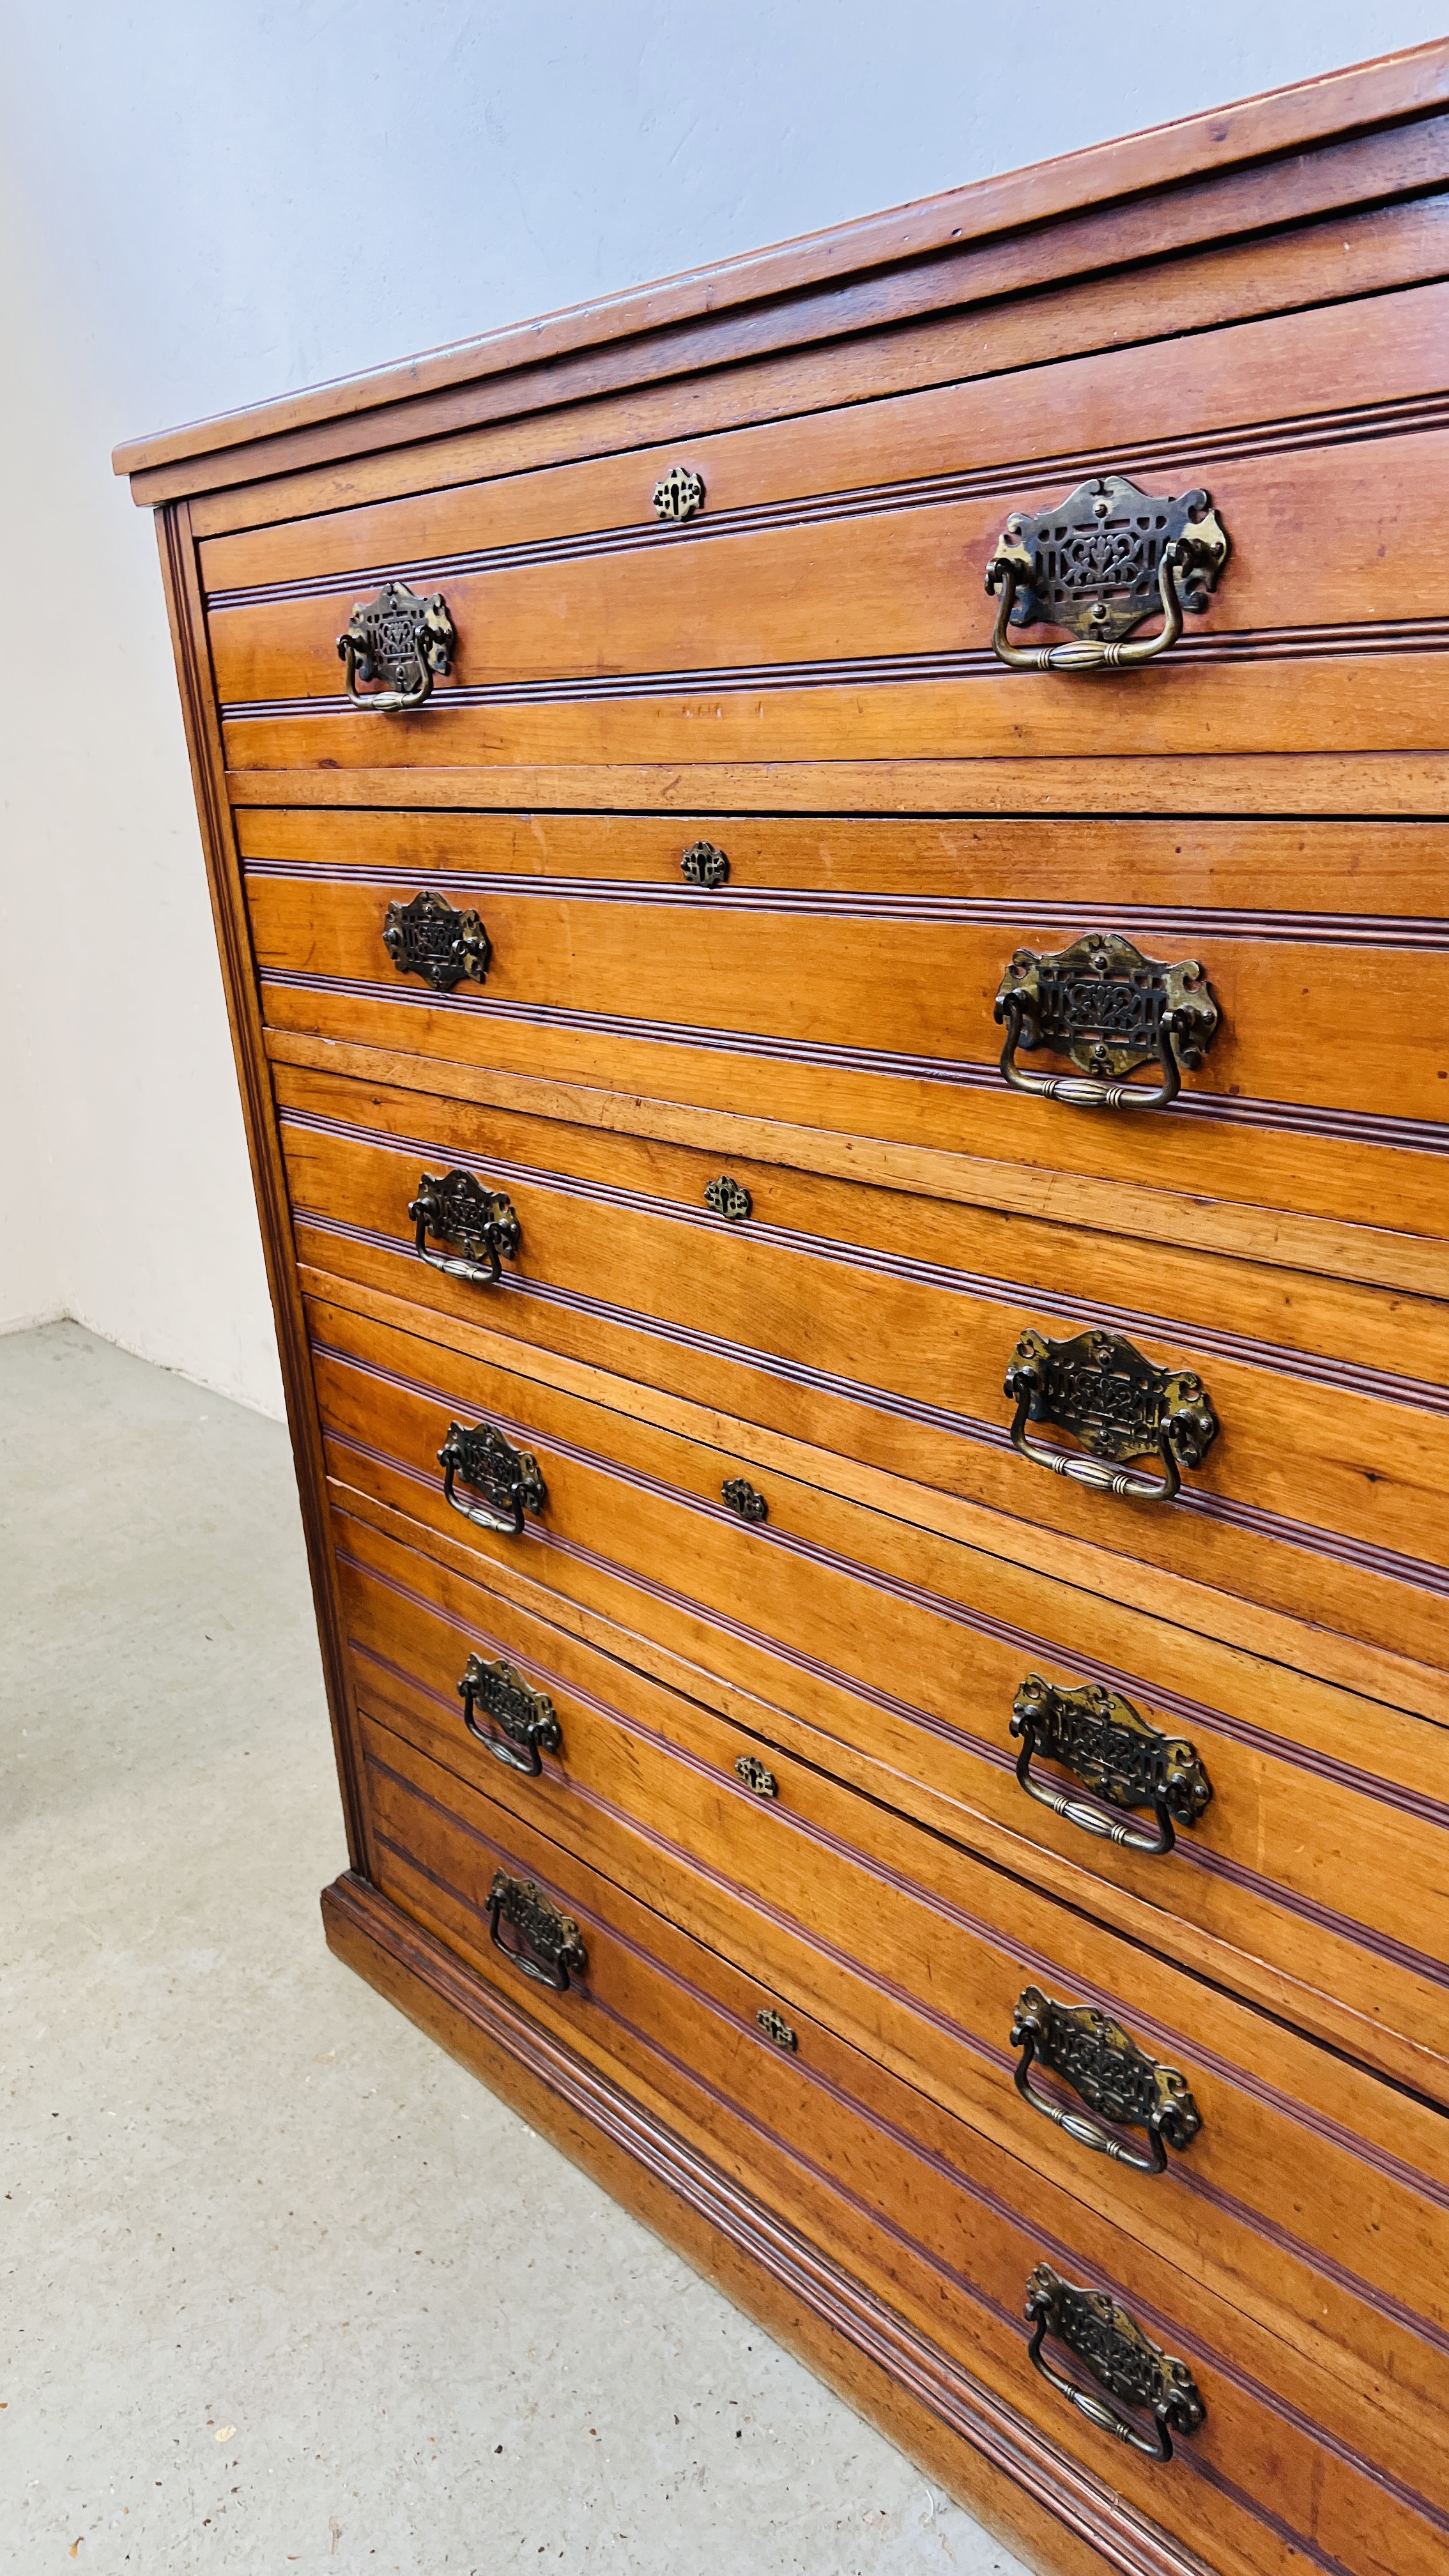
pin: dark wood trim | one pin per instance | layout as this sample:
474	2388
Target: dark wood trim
957	2429
180	576
1195	152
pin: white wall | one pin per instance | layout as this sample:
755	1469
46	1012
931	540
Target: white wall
202	207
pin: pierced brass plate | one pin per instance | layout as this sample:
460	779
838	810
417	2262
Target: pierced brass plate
742	1498
1117	1756
679	494
705	865
401	639
1121	2358
755	1776
552	1948
458	1209
429	937
729	1198
1109	1010
506	1480
1096	565
776	2028
1119	1405
526	1717
1107	2070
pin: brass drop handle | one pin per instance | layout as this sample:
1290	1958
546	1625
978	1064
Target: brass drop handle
1109	1009
1111	2345
481	1222
549	1947
526	1720
398	637
506	1478
1010	572
1116	1755
1120	1405
1083	1091
1096	565
1117	2080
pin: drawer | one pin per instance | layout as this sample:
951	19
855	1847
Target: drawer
1310	936
1144	392
882	1327
939	2222
851	618
1320	1853
1307	2197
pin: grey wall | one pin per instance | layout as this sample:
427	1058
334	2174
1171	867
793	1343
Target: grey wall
203	207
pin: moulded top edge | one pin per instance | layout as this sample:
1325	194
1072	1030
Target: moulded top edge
1394	87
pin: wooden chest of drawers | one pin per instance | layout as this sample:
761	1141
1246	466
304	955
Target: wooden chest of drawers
885	1610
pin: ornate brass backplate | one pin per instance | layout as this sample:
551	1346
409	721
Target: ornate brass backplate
552	1948
506	1479
1108	1009
728	1198
526	1717
1117	1756
742	1498
1099	1388
752	1771
705	865
1109	2072
1097	564
679	494
776	2028
401	639
1121	2358
459	1209
428	937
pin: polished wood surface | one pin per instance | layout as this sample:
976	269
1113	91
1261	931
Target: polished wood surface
1270	2184
910	1649
1380	1255
1261	2396
1267	1554
1113	399
912	980
1254	302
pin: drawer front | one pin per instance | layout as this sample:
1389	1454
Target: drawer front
911	2200
1325	1070
918	1954
853	619
1320	1849
883	1327
996	420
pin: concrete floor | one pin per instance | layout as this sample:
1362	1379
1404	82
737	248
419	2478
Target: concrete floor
282	2286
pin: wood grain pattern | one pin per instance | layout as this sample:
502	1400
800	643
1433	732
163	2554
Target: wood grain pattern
1375	703
1062	2518
917	990
326	975
1260	2385
890	574
1348	1662
1127	403
1379	1255
1259	2203
228	905
1255	302
1365	251
356	1152
1258	864
911	1650
814	1340
1411	784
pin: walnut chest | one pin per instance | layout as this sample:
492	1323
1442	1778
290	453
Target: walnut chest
830	878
